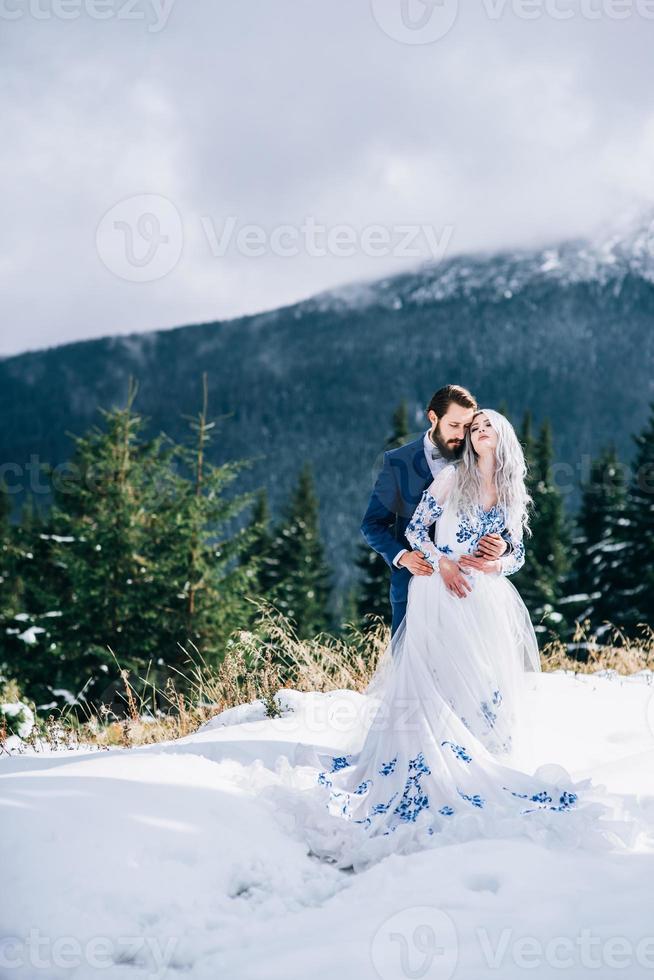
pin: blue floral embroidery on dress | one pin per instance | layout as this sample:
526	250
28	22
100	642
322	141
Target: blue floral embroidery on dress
469	531
345	807
383	807
488	522
566	800
428	509
388	767
488	713
513	562
419	801
465	530
417	530
542	797
418	764
410	805
415	799
458	750
476	800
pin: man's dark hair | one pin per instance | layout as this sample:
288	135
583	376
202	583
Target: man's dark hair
443	398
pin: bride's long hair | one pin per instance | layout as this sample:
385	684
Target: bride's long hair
510	475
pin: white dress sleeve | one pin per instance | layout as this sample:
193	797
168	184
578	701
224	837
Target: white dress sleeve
427	513
514	561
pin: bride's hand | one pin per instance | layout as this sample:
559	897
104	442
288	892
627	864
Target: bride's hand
454	579
481	564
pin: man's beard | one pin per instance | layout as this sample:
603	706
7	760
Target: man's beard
448	449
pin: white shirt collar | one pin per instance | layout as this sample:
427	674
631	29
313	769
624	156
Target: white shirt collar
431	449
435	459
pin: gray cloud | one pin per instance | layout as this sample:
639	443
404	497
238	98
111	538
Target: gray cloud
506	131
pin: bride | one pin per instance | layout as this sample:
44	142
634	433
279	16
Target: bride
431	763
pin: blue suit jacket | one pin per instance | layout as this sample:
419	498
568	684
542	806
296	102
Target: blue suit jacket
397	492
404	477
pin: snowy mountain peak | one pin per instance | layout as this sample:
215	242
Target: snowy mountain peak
626	248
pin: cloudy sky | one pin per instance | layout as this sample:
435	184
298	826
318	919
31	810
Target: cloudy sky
167	163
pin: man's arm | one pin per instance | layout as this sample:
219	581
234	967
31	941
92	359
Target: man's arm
396	560
493	546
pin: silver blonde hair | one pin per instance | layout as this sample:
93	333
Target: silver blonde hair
510	475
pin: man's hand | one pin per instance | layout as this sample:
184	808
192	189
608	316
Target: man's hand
491	546
454	578
416	563
481	564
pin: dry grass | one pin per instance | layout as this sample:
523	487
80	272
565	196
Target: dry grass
585	654
258	663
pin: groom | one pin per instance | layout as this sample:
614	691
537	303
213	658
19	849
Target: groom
406	473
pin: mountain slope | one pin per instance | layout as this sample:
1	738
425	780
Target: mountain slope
565	331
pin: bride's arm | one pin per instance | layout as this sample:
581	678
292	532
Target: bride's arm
515	559
417	533
427	513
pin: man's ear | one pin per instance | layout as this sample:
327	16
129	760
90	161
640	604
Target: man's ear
432	416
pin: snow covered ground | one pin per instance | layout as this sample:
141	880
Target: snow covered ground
163	862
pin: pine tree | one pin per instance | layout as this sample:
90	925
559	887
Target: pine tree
148	553
552	549
204	556
39	575
350	612
9	591
259	542
105	527
372	597
597	575
541	580
297	576
529	448
7	579
400	426
637	593
30	607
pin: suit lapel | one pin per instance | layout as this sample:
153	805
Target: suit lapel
424	478
412	474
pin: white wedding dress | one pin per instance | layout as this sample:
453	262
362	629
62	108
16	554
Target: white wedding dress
431	762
